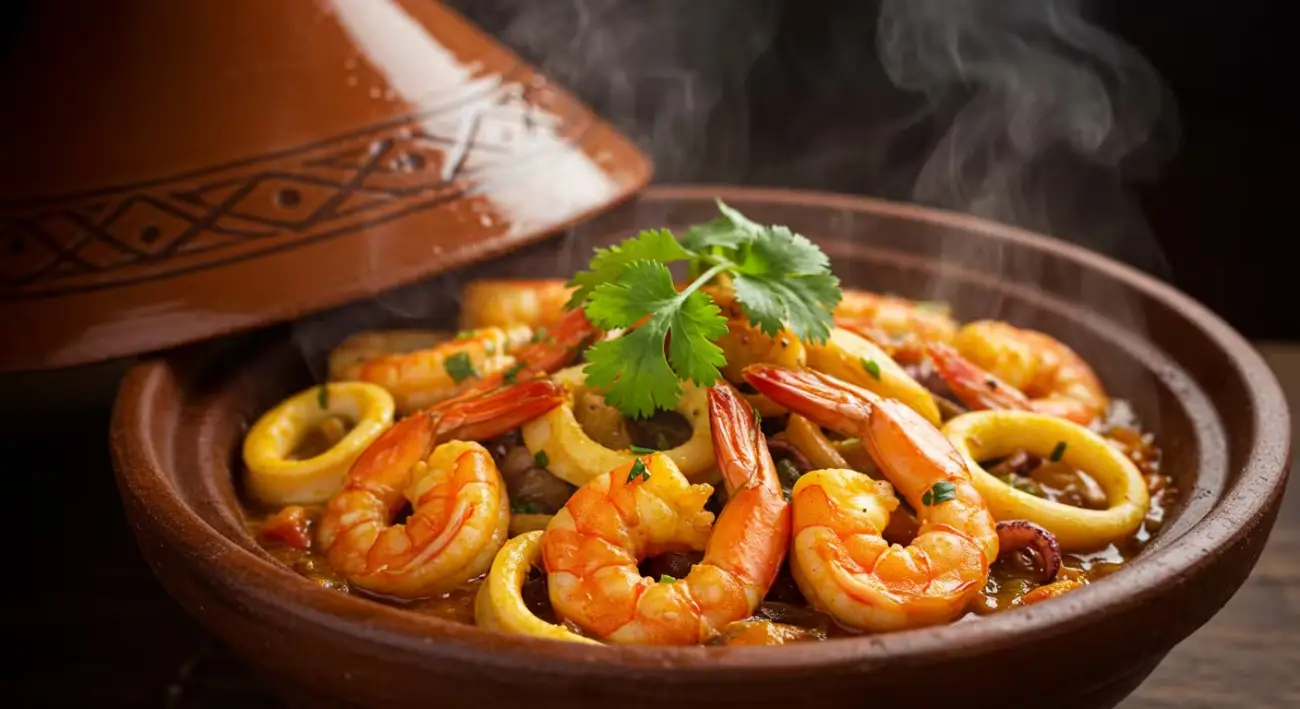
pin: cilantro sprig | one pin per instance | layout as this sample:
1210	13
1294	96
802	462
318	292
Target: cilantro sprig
779	278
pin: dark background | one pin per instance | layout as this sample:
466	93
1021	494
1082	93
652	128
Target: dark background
792	93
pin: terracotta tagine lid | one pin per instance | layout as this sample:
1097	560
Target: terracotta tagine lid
175	171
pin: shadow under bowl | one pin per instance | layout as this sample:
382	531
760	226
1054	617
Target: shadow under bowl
1214	406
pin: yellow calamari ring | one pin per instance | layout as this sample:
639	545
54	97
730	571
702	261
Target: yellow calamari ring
276	479
981	435
575	457
860	362
500	605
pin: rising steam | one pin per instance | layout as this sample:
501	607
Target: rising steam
1042	118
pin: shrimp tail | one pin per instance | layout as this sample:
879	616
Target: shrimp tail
756	520
828	402
482	415
737	440
975	387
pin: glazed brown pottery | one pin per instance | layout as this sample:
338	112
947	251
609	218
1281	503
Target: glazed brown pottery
1215	407
182	170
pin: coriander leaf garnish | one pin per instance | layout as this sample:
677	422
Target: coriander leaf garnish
541	334
942	491
541	459
464	334
872	368
653	245
780	280
526	508
323	396
638	471
632	369
665	578
459	367
638	450
1057	452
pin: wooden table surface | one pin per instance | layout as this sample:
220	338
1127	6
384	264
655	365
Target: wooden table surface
95	629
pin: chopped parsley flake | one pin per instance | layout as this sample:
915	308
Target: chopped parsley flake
459	367
942	491
872	368
638	471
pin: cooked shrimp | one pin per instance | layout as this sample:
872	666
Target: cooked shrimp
507	303
592	547
839	557
993	365
459	508
425	377
899	326
547	351
346	358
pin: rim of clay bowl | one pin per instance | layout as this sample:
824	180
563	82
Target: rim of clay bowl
1237	512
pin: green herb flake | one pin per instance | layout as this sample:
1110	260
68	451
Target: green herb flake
526	508
639	450
459	367
638	471
758	418
541	335
941	492
665	578
464	334
490	347
932	306
872	368
1057	452
541	459
323	396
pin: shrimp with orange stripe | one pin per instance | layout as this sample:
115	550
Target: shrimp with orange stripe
839	557
591	549
460	510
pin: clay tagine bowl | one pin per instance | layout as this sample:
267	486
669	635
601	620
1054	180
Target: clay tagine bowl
183	170
1213	404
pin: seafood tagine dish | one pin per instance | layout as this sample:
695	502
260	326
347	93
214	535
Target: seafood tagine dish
703	439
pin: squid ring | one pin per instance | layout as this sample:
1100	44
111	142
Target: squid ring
500	605
993	434
276	479
575	458
859	361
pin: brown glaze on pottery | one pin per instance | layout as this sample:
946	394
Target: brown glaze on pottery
1216	409
189	169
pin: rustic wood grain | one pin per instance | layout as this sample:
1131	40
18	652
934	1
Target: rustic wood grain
94	628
